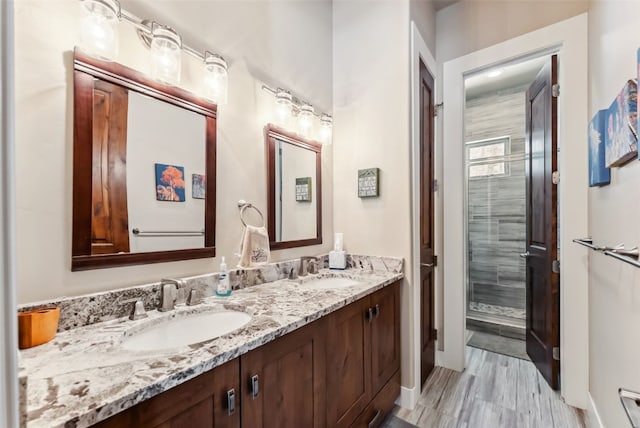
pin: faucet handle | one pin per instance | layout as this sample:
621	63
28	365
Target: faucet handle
194	297
138	311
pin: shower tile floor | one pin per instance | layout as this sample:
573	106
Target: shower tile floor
501	311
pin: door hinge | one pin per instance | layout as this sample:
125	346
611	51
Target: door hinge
555	177
556	353
437	108
436	185
555	266
555	90
434	334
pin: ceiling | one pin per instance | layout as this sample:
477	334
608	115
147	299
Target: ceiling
513	74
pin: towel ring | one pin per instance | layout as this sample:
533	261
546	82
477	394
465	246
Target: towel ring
243	206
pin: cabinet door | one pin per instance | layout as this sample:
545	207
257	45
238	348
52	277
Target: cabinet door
198	403
385	335
284	381
348	363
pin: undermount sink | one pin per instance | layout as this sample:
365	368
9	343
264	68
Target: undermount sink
188	330
330	282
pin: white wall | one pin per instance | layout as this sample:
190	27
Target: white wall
255	36
614	287
371	129
159	132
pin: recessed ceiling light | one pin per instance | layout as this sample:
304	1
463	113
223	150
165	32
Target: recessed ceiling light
495	73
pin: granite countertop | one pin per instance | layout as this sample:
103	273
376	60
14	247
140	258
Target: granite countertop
83	376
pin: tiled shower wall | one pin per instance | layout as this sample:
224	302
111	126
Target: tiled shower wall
497	209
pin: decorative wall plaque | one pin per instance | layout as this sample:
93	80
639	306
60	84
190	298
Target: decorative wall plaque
303	189
369	183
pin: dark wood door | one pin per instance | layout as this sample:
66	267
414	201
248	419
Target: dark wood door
385	335
427	257
348	363
109	214
204	402
542	284
284	381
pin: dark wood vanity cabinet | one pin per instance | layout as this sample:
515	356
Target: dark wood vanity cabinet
283	382
363	359
340	371
211	400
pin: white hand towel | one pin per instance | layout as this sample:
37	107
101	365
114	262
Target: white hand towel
254	249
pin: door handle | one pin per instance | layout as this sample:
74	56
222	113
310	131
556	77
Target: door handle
255	386
525	255
375	418
426	264
231	401
376	311
369	314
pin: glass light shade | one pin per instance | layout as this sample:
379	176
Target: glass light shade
326	129
215	78
166	54
283	106
305	119
99	28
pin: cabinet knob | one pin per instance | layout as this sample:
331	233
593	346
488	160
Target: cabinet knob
255	386
231	401
375	419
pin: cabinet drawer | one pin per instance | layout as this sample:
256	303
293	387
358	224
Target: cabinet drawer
381	405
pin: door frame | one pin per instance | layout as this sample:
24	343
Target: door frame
9	394
420	52
569	39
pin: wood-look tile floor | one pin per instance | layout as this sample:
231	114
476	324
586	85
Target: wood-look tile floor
495	391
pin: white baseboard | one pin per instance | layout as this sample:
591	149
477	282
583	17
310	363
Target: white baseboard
593	417
408	398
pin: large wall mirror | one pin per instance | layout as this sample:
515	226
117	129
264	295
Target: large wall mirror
144	169
294	189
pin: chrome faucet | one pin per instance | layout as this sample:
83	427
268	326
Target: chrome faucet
308	265
169	293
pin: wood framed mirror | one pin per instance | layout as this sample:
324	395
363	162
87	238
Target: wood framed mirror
144	169
294	189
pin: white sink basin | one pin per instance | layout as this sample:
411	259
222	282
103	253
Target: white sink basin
330	282
185	331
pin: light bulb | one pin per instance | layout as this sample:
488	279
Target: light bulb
99	28
326	129
283	107
215	78
166	50
305	119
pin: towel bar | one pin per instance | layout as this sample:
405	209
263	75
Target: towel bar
143	233
617	252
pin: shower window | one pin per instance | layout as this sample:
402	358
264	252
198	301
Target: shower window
488	157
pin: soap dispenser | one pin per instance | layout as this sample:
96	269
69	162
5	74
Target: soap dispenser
223	280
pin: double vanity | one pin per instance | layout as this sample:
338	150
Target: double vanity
319	350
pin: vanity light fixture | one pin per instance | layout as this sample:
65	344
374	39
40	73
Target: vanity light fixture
99	28
166	58
215	78
284	104
305	119
326	129
99	38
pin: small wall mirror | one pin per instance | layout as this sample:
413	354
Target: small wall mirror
294	189
144	169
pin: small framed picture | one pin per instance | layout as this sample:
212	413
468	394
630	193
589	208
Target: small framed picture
169	183
303	189
369	183
198	186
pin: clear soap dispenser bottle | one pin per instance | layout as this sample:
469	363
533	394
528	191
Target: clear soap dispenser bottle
223	280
